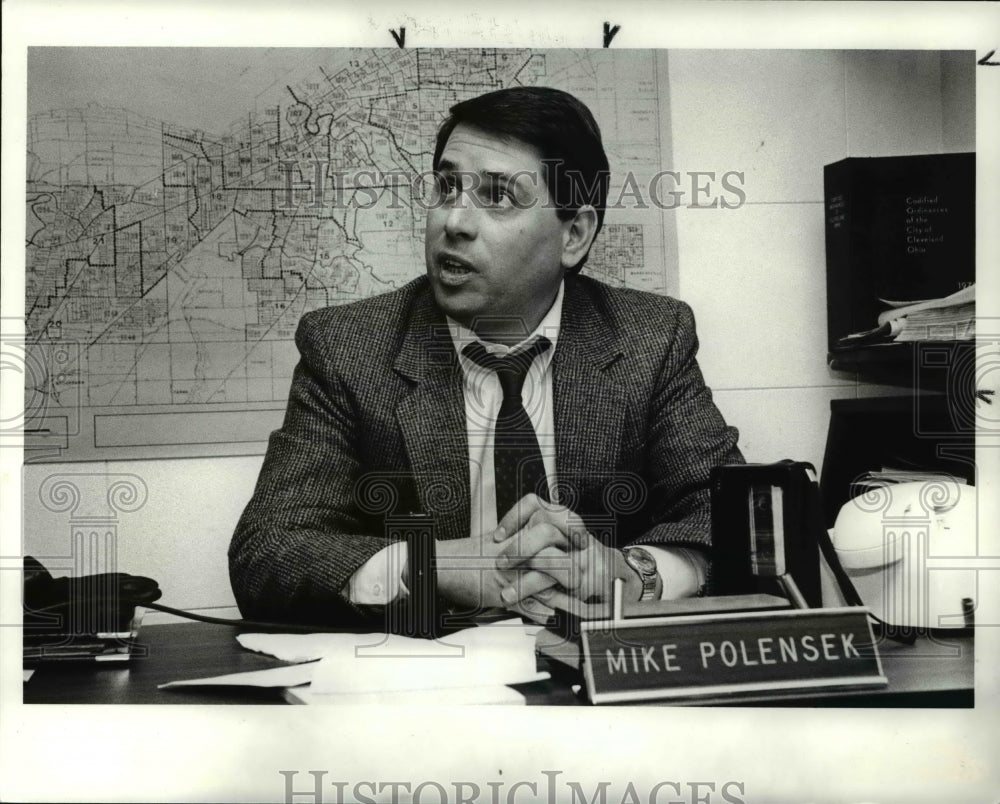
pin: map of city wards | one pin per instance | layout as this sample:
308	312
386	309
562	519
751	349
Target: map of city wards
167	267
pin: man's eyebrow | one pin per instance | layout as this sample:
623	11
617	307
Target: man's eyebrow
501	176
494	176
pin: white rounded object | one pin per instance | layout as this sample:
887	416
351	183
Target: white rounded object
907	549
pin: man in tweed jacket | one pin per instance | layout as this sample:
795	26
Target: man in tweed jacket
381	418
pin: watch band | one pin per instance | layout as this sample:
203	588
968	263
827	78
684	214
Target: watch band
644	564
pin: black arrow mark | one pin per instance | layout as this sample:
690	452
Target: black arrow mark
609	33
399	37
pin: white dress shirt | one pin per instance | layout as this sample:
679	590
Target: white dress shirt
378	581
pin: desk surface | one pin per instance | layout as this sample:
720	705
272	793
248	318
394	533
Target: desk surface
931	673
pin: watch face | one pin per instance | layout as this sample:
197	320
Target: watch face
641	560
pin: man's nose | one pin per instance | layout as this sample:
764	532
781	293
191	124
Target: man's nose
462	217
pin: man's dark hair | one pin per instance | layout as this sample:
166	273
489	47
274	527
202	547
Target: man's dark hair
558	126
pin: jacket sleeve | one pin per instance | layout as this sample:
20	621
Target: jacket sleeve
302	536
687	437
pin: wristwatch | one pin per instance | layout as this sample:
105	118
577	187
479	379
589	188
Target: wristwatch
645	565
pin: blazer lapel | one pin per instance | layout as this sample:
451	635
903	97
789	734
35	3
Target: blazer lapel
589	402
431	417
589	409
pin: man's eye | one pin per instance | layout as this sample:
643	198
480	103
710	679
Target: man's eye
499	195
447	186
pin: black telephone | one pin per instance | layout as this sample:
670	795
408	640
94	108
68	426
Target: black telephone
84	606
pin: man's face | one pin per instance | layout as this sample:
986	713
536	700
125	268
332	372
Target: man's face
495	247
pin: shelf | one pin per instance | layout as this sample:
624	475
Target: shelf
930	361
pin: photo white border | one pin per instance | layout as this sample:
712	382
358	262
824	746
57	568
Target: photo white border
226	753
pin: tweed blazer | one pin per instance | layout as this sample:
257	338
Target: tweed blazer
375	429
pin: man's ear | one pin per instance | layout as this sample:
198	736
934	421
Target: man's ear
578	234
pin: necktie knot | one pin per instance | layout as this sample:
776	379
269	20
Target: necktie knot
510	370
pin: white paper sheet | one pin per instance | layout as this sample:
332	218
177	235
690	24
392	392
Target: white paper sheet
310	647
290	676
492	655
484	656
470	666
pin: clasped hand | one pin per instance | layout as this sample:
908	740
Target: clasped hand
547	553
540	557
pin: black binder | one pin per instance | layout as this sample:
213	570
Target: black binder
900	228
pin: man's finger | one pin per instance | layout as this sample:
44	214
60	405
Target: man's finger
568	523
559	516
558	565
517	517
579	537
554	561
533	609
526	544
562	601
532	509
564	566
527	584
558	599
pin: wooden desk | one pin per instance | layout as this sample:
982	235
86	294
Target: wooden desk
927	674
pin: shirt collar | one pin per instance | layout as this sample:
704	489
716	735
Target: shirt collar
462	336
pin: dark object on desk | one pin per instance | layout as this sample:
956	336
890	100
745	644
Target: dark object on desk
925	432
91	618
898	228
764	539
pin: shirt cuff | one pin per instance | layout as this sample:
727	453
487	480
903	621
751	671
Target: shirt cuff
684	571
379	581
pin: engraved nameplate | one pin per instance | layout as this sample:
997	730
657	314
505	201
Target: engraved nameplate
728	655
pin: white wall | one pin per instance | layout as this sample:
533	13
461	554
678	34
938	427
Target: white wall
755	277
179	535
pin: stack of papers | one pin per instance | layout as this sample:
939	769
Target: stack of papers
888	476
476	665
950	318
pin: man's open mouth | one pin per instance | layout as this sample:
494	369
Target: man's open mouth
454	265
